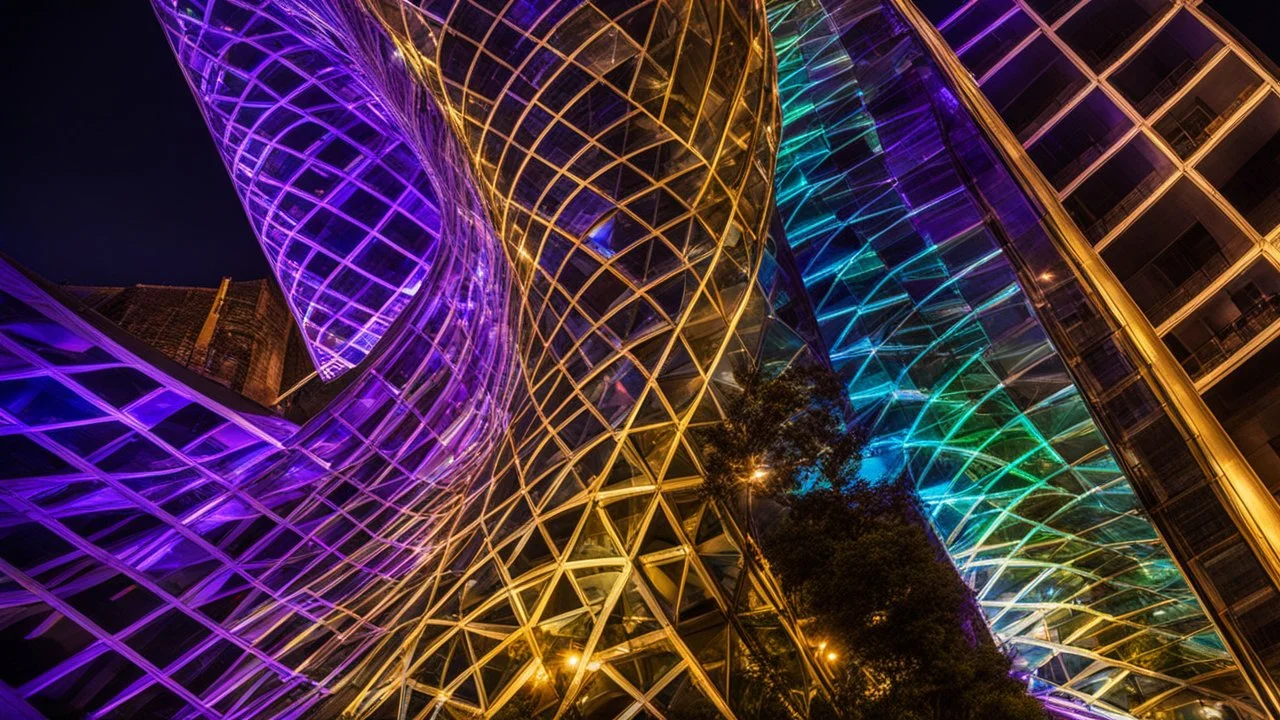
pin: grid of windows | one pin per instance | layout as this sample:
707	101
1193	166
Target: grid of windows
341	204
546	234
167	550
945	357
626	150
1163	153
505	495
1162	296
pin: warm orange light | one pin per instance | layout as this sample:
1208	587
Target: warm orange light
573	660
832	657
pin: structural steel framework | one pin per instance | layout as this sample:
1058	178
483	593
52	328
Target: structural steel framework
535	238
1197	469
506	494
923	316
343	208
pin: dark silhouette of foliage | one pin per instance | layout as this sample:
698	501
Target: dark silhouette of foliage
861	562
780	434
858	560
523	706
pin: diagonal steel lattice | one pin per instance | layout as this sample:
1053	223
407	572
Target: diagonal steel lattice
506	493
532	239
944	355
344	210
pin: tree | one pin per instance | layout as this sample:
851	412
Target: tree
904	636
524	706
782	433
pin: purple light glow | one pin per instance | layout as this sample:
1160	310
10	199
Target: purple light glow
220	561
537	238
341	205
507	468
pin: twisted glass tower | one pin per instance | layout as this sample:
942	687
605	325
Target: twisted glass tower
526	243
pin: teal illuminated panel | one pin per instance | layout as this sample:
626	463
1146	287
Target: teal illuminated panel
947	362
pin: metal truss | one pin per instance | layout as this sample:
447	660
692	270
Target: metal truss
537	237
504	498
947	360
344	210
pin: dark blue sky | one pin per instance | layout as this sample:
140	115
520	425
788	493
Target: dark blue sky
1259	20
109	175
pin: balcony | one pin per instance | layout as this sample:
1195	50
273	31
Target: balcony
1194	283
1156	72
1115	190
1247	403
1247	306
1179	247
1252	321
1101	32
1245	166
1033	86
1079	138
1207	106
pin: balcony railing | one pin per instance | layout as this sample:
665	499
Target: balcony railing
1267	215
1060	101
1104	54
1186	141
1228	340
1103	225
1188	289
1168	87
1071	170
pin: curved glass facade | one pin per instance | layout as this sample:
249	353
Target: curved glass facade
535	239
342	205
945	358
504	498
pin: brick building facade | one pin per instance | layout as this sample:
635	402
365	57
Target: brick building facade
239	334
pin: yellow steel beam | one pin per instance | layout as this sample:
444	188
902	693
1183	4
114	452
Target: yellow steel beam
1252	508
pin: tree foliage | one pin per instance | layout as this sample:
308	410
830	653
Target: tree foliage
781	434
858	560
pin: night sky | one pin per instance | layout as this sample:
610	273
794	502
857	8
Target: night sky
110	176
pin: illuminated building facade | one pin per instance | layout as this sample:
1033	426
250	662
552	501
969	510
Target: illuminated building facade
238	334
341	205
894	223
504	495
1144	132
526	242
1032	132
